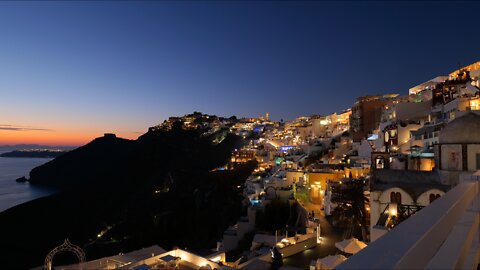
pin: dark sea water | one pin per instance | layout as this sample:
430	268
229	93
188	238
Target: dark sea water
13	193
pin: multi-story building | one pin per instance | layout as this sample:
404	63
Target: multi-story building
366	114
243	155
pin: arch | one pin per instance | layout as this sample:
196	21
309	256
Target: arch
424	198
384	197
66	246
206	267
433	197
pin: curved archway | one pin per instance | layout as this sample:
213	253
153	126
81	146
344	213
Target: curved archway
205	267
385	196
428	196
66	246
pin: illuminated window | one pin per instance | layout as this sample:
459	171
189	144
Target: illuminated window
474	104
380	162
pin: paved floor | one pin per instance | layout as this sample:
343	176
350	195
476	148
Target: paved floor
325	248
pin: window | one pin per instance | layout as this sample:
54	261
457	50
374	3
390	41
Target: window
433	197
395	197
379	162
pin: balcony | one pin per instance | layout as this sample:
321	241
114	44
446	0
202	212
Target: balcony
443	235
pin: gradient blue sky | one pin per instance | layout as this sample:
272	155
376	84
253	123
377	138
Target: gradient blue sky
78	69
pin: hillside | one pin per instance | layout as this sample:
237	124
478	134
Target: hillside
121	195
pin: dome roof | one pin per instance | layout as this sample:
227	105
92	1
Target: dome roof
464	129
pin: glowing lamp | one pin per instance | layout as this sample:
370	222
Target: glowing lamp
392	209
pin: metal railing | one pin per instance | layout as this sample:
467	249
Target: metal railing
444	235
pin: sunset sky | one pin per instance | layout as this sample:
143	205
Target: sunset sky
71	71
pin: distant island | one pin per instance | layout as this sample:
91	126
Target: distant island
13	147
34	153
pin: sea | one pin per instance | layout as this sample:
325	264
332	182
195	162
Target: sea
13	193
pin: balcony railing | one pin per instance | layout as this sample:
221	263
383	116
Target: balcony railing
443	235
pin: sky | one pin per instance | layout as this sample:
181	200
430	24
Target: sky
71	71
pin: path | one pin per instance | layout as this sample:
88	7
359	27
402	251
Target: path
325	248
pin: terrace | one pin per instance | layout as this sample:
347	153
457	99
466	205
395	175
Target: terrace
443	235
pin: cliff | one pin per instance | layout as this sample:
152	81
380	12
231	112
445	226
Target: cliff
121	195
99	159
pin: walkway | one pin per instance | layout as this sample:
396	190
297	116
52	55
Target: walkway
325	248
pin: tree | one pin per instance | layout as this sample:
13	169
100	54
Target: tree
274	217
177	126
350	212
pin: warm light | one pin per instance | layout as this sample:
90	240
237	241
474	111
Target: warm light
474	104
392	209
216	259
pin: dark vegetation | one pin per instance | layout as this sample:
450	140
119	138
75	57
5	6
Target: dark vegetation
315	156
350	216
243	248
274	217
278	215
120	195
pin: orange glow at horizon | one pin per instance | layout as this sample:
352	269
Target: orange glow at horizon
54	138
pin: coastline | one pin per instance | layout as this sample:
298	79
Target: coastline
13	193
